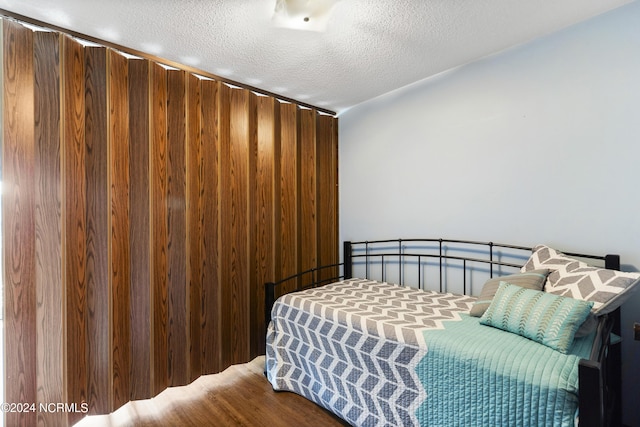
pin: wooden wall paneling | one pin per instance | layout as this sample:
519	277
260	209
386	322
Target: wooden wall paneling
144	208
18	206
49	331
262	216
327	146
119	246
234	185
97	217
159	229
210	249
195	224
75	224
308	190
177	241
140	237
289	192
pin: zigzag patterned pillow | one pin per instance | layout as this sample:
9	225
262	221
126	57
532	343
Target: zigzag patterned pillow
607	289
549	319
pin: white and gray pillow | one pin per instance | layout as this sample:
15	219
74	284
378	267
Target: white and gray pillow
607	289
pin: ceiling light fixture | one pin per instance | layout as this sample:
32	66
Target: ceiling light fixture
311	15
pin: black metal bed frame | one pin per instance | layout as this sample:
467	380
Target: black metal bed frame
599	376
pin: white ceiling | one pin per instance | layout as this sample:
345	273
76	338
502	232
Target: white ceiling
369	47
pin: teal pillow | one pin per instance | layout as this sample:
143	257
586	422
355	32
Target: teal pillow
549	319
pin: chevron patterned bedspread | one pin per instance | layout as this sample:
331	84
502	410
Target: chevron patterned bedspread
378	354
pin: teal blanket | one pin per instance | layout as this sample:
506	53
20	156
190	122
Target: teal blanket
476	375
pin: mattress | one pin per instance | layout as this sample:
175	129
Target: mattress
378	354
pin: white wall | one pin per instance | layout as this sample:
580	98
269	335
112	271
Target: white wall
539	144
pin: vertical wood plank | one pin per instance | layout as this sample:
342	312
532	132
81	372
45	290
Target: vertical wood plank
240	143
159	229
289	192
251	283
18	206
277	192
49	331
119	273
140	237
308	189
327	146
225	236
234	156
75	228
195	224
177	281
263	216
97	285
209	243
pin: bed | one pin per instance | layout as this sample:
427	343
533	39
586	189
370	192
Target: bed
451	332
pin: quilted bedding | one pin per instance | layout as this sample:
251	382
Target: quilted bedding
378	354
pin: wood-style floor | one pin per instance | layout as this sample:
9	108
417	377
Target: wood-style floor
239	396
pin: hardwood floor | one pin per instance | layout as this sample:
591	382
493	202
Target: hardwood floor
238	396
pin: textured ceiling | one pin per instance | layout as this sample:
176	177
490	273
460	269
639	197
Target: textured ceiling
369	47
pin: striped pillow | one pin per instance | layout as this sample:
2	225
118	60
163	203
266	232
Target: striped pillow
549	319
533	279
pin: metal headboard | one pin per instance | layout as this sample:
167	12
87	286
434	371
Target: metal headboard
444	253
495	256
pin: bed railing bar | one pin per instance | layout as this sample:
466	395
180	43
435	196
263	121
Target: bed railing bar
473	242
448	257
400	261
366	251
383	270
314	276
269	300
440	251
305	272
599	257
491	259
464	277
348	260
